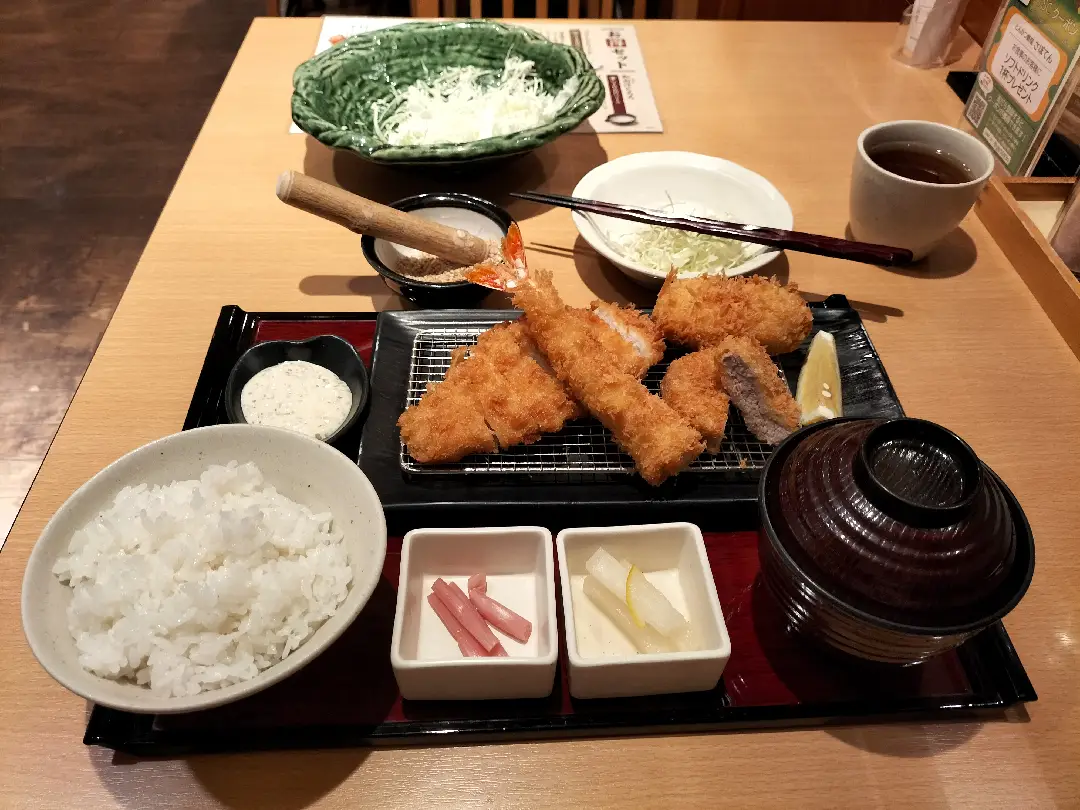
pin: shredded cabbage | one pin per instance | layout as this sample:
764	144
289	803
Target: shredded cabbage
463	104
691	254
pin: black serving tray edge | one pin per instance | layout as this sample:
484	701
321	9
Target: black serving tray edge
455	501
989	660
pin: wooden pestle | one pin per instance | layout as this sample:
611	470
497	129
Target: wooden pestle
381	221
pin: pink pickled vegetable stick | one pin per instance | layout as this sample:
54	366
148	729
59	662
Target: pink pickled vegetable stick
454	598
501	617
460	593
468	645
499	651
478	582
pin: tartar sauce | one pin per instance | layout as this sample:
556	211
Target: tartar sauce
297	395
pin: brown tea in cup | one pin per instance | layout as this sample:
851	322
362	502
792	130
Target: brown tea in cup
921	163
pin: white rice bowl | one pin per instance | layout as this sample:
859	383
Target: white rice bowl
149	595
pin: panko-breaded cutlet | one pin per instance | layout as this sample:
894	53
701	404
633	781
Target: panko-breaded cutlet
701	312
446	425
495	395
693	388
752	380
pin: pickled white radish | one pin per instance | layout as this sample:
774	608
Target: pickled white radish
610	572
653	608
640	596
646	639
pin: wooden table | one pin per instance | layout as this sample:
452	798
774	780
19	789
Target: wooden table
964	342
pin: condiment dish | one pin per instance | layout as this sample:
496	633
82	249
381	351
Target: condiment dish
603	662
657	179
303	469
329	351
520	570
476	215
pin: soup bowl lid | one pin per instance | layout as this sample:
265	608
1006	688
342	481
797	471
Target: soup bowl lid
898	520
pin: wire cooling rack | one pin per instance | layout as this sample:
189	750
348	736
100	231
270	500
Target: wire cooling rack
582	447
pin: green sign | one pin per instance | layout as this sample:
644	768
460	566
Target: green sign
1027	62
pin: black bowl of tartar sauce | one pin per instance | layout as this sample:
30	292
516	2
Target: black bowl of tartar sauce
317	387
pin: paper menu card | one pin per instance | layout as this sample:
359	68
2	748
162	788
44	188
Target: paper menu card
1025	79
629	105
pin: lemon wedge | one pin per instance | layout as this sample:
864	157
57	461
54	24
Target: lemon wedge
648	606
818	392
629	596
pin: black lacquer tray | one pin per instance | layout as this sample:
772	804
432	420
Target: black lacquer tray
568	499
771	681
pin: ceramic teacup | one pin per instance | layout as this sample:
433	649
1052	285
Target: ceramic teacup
890	209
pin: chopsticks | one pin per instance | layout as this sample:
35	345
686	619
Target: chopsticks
773	237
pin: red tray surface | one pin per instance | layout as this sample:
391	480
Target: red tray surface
361	334
353	682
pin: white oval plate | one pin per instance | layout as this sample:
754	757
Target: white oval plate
653	179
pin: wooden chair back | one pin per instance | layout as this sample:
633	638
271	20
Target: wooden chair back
575	9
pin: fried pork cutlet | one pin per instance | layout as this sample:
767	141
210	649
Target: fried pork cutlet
446	425
692	387
700	312
495	388
754	384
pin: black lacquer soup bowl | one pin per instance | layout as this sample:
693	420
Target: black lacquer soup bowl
889	540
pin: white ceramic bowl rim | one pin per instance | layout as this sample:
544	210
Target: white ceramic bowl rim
599	242
143	700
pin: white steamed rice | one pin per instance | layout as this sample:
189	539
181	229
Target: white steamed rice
198	585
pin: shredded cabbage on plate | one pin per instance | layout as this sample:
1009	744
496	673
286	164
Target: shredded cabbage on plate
464	104
690	254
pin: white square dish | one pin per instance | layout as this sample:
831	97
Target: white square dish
520	568
603	661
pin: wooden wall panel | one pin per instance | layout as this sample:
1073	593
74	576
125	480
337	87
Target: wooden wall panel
880	10
979	17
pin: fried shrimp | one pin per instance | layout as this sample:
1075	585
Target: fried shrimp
700	312
658	439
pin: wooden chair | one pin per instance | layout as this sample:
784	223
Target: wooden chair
595	9
980	13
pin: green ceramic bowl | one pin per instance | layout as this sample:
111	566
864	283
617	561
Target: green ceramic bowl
334	90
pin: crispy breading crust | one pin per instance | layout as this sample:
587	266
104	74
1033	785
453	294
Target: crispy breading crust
692	387
519	400
700	312
445	425
752	380
635	328
494	395
656	437
605	344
